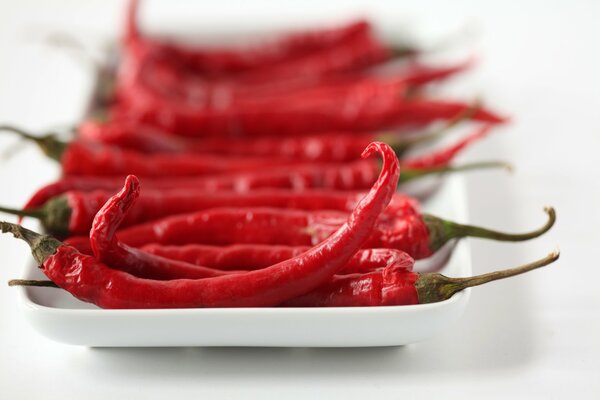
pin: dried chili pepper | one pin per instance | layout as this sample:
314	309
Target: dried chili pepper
395	286
419	235
89	280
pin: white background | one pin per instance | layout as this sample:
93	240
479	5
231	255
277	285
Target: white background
534	336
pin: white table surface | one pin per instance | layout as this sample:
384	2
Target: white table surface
534	336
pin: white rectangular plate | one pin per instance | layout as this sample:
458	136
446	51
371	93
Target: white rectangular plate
59	316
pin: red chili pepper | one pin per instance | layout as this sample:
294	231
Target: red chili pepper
355	176
354	54
392	286
395	286
419	235
158	75
274	91
366	108
222	61
73	212
129	134
325	146
256	256
360	106
78	158
89	280
108	249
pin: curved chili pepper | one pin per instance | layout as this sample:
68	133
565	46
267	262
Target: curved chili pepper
256	256
108	249
394	286
89	280
419	235
73	212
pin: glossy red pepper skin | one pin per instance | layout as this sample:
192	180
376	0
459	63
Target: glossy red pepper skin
256	256
155	204
224	61
405	231
139	262
99	160
109	250
128	134
358	175
366	107
89	280
324	147
392	286
157	75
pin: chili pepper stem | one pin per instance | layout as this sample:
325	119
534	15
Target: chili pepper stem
409	174
400	145
34	212
441	231
42	246
32	282
432	287
54	215
49	144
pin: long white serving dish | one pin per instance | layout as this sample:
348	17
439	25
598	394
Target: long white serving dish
57	315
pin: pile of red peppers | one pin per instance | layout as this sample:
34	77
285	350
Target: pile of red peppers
245	177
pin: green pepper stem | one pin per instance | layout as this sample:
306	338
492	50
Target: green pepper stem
409	174
32	282
441	231
55	214
432	287
49	144
34	212
42	246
